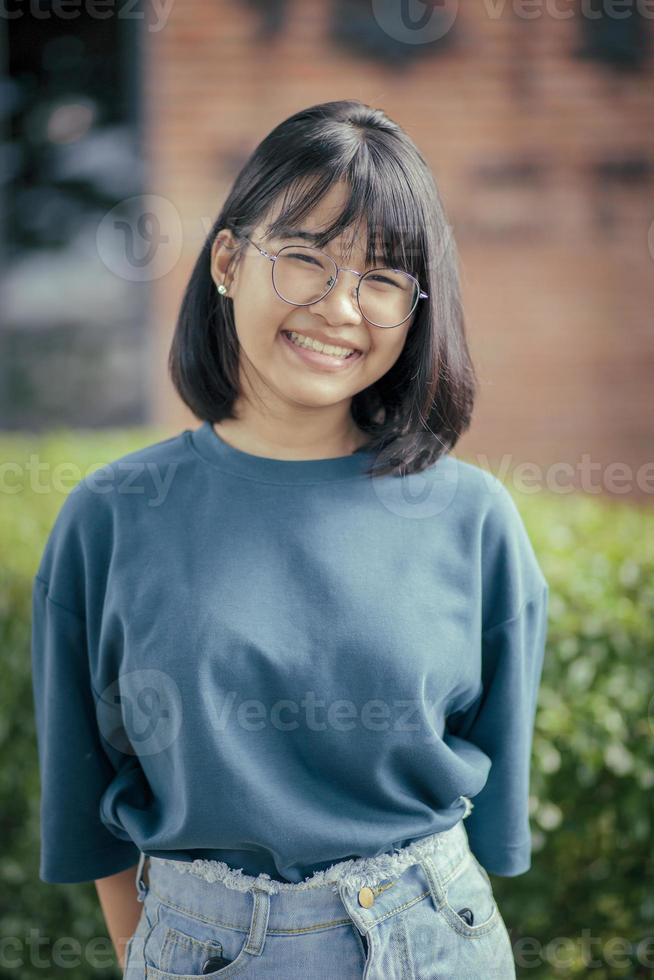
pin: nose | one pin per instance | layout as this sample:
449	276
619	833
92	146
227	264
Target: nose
340	304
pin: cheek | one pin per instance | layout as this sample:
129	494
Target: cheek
385	351
257	318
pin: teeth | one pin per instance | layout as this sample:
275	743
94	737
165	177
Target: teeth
311	344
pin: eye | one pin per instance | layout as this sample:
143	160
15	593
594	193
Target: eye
303	256
383	279
387	277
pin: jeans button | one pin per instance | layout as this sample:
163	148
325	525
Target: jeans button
366	897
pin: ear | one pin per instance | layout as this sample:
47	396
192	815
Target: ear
223	249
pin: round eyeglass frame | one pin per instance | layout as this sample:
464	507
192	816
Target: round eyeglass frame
272	257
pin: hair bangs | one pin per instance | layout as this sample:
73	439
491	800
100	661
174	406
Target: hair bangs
388	219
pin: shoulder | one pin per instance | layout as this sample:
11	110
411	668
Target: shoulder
509	566
138	468
83	530
490	499
136	478
475	493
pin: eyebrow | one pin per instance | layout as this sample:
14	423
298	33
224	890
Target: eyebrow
287	231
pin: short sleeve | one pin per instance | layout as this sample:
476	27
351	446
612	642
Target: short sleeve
501	723
509	567
74	768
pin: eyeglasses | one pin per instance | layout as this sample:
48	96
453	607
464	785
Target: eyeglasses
303	275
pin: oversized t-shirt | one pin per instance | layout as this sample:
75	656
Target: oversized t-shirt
282	664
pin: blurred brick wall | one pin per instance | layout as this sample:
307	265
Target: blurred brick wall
544	161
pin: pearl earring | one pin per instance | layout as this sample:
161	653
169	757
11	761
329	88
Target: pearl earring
222	289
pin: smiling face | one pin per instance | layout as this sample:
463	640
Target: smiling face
270	363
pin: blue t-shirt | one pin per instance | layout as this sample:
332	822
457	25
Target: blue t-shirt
282	664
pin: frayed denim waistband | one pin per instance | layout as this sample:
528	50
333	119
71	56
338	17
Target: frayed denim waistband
354	873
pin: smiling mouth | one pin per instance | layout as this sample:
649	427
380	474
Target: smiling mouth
329	350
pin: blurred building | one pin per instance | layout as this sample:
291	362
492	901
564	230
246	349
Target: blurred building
537	122
539	132
73	327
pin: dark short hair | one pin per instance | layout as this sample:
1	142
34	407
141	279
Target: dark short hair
416	412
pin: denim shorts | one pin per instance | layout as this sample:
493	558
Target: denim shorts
422	912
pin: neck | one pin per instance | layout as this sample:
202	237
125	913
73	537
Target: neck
282	442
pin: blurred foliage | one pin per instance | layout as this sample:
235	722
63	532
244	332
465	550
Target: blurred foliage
587	902
586	907
50	928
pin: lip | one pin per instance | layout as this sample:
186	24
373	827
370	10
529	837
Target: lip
322	361
324	339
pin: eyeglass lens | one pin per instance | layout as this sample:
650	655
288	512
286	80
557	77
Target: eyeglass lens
303	275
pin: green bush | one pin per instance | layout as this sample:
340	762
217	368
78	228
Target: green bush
65	918
588	900
586	908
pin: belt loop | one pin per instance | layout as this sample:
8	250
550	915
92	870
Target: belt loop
259	922
469	806
434	880
141	885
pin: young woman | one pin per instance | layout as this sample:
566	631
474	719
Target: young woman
290	657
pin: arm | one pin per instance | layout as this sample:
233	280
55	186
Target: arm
501	723
120	907
75	766
75	769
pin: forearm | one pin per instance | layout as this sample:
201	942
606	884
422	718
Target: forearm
120	907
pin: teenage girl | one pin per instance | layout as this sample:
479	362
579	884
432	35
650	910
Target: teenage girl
286	662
